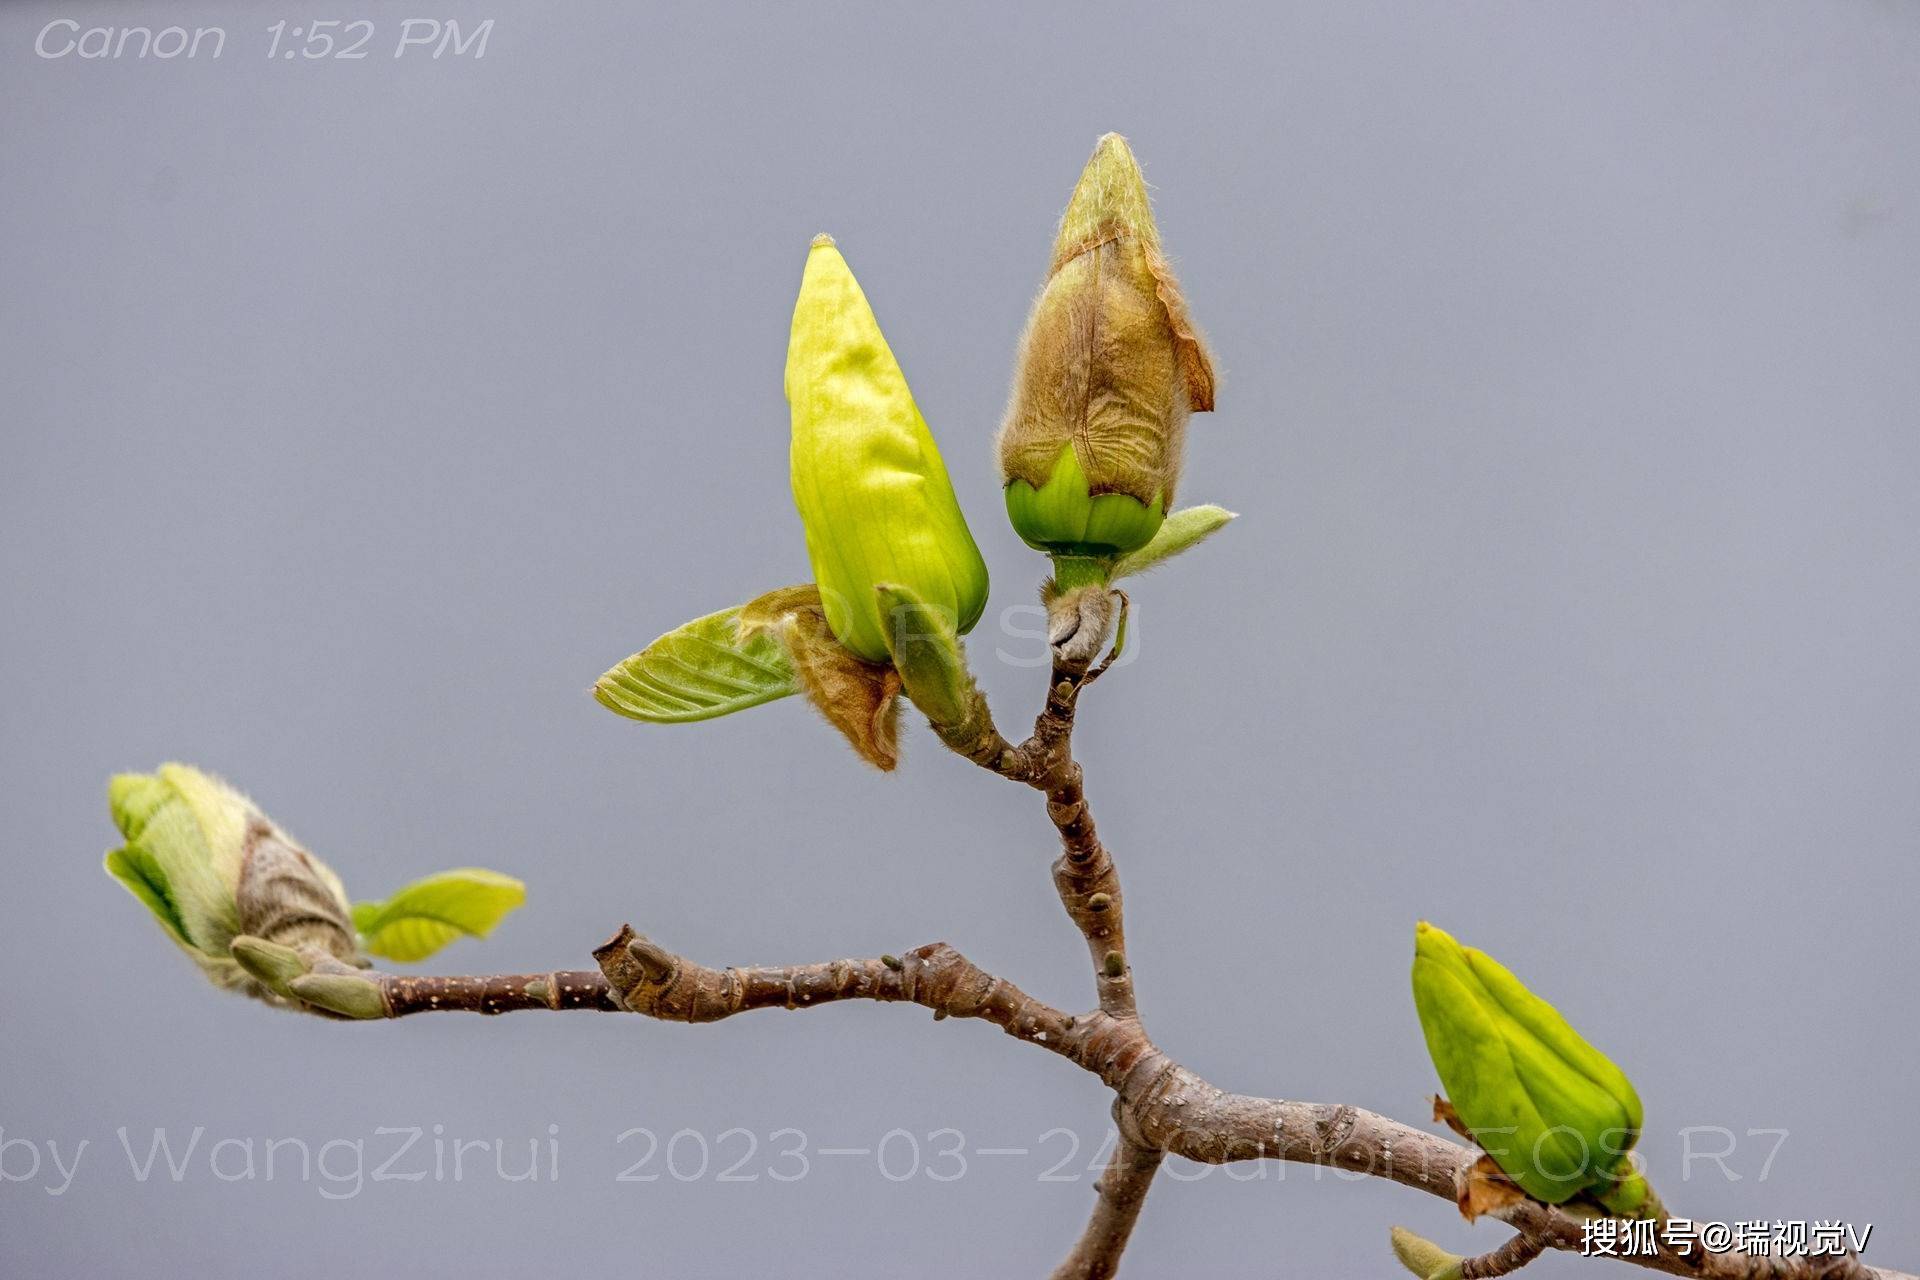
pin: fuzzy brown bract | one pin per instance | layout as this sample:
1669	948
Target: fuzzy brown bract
860	699
1111	363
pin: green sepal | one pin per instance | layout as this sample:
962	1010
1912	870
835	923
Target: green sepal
1182	529
428	914
696	672
927	654
1063	517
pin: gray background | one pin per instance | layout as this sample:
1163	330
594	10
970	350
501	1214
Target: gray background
359	414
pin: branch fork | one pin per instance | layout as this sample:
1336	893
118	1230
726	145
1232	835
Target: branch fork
1160	1107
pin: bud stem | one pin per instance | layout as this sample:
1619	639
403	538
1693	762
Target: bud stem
1071	572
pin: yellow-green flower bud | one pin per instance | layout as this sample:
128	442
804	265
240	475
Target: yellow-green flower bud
1109	369
873	495
211	866
1552	1111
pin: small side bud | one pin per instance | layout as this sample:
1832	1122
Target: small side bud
1115	964
350	997
271	964
1425	1258
655	960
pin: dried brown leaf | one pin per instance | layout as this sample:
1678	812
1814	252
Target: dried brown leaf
860	699
1485	1189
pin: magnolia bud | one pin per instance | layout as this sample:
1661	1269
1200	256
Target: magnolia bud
1425	1258
1109	369
873	495
211	866
1549	1108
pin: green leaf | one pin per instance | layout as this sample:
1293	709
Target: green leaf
136	869
428	914
1181	530
701	670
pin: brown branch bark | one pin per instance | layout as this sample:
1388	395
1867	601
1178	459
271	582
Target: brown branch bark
1187	1116
1509	1257
498	993
1120	1192
646	978
1084	874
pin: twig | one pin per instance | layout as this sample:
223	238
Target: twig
1084	874
499	993
1120	1192
648	979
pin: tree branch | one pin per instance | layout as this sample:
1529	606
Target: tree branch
1160	1107
646	978
499	993
1084	874
1516	1253
1169	1109
1120	1192
1184	1115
